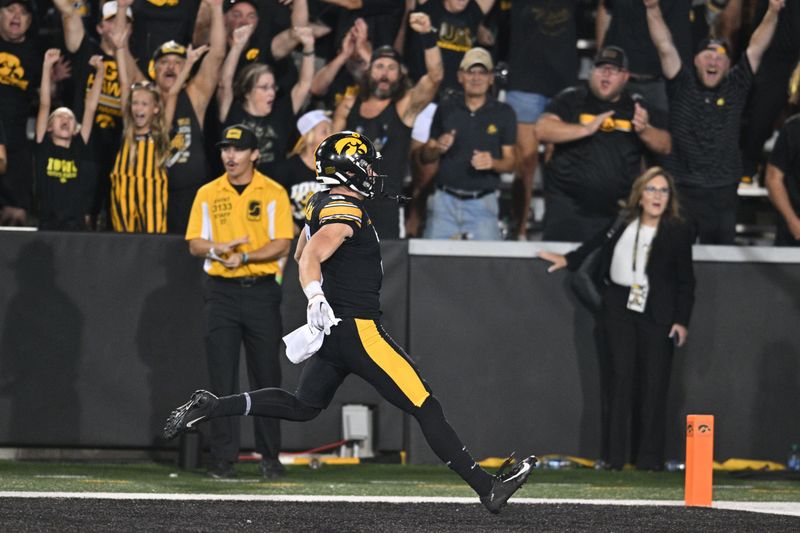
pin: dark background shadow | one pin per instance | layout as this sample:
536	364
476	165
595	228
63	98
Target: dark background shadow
40	353
170	335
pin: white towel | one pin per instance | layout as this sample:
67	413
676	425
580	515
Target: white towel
302	343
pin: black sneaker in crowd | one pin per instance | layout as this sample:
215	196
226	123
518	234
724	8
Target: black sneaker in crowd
221	469
505	484
195	410
272	469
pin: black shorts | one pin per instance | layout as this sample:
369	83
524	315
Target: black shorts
362	347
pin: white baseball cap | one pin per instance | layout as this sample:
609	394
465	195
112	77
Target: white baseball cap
309	120
110	9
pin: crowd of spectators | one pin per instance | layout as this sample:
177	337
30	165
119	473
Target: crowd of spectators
154	82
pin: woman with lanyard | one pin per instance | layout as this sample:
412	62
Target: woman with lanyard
647	301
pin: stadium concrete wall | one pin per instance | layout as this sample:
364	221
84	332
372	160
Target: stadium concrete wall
102	334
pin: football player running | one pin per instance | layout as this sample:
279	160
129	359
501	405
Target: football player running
341	273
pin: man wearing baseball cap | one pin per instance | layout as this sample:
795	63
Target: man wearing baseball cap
187	164
706	104
241	223
601	133
385	110
472	138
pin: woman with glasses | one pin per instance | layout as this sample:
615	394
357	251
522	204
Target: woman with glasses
254	100
648	294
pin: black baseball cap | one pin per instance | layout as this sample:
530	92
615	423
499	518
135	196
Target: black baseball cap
25	3
719	46
385	51
239	136
230	3
612	55
169	47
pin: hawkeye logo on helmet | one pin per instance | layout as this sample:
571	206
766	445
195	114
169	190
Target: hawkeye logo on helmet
350	146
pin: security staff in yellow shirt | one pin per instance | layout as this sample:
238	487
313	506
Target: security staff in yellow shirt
241	223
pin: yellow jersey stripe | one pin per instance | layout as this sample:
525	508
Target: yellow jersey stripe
357	220
348	209
394	364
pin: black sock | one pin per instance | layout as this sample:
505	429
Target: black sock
446	444
270	402
233	405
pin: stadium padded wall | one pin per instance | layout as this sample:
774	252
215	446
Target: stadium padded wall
102	334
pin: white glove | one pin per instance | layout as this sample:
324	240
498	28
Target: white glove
319	313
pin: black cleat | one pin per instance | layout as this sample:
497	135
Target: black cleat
187	415
272	469
505	484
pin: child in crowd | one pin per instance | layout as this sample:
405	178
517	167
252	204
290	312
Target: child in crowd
139	177
64	193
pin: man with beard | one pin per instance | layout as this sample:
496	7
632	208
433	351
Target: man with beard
600	132
705	121
385	110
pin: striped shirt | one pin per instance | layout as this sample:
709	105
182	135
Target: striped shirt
138	189
705	126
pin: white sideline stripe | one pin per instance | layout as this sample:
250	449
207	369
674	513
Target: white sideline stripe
782	508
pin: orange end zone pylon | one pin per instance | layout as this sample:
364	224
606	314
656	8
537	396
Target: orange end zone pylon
699	460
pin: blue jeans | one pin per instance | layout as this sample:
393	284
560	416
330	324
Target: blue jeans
452	218
527	106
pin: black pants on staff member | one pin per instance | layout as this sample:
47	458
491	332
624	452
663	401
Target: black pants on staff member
243	310
640	357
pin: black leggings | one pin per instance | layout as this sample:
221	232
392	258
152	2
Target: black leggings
362	347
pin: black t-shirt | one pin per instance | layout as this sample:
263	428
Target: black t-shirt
629	31
352	276
538	25
272	131
786	156
457	34
159	21
786	41
343	84
259	50
107	128
598	170
300	182
488	128
20	76
63	192
705	126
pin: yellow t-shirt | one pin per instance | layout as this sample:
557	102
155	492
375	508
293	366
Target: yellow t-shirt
220	214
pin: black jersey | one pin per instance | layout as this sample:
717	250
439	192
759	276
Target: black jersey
352	276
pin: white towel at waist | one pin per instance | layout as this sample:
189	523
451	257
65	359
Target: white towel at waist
302	343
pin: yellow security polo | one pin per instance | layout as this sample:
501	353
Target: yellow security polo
220	214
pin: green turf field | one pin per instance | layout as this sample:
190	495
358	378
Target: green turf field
373	480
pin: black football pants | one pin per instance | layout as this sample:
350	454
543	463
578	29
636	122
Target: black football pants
239	314
362	347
